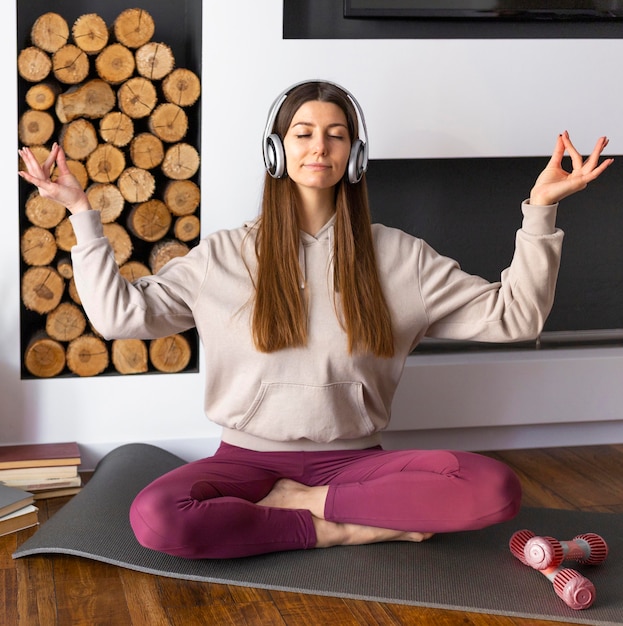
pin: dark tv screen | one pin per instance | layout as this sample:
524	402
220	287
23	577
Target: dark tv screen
488	9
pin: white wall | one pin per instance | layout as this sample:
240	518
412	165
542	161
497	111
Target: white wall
422	98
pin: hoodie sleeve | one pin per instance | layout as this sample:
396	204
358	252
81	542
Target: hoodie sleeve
465	307
150	307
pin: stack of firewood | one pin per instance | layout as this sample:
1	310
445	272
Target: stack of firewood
117	104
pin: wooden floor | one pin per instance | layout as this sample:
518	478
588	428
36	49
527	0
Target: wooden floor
59	590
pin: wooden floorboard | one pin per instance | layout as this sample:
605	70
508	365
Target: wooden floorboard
59	590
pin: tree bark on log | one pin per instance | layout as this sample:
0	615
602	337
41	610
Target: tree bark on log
92	100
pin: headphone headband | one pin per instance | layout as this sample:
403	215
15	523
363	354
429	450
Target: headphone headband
272	145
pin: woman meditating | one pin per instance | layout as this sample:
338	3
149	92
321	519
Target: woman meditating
307	314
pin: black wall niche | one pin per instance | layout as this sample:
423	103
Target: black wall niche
470	209
178	25
324	19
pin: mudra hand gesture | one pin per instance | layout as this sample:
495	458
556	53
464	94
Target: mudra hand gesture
65	189
554	183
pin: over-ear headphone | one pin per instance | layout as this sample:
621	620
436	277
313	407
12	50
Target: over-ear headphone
272	145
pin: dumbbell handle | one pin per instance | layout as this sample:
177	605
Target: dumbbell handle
543	552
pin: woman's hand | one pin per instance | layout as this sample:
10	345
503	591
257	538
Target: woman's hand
554	183
65	189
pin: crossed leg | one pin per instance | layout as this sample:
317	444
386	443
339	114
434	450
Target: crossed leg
242	502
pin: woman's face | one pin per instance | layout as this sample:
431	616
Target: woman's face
317	145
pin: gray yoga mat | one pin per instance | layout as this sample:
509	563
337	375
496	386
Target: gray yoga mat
468	571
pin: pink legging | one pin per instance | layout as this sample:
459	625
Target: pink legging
206	509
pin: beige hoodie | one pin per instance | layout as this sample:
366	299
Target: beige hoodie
318	397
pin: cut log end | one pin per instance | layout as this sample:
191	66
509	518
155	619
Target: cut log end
90	33
181	161
182	197
117	128
154	60
129	356
44	357
66	322
38	246
50	32
181	87
164	251
70	65
115	64
42	289
170	354
33	64
134	27
87	355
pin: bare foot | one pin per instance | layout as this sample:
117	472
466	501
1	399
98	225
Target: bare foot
333	534
289	494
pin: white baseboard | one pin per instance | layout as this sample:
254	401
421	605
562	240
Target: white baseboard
508	437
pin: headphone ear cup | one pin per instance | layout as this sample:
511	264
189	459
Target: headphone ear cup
274	156
356	165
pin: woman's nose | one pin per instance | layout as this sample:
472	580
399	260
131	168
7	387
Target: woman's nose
320	145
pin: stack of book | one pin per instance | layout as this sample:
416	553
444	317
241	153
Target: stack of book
46	470
17	510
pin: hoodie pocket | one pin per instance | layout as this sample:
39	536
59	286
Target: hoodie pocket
322	413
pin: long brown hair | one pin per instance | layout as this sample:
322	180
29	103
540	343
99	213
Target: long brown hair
280	311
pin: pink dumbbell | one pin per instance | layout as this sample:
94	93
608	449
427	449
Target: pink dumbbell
575	590
544	552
